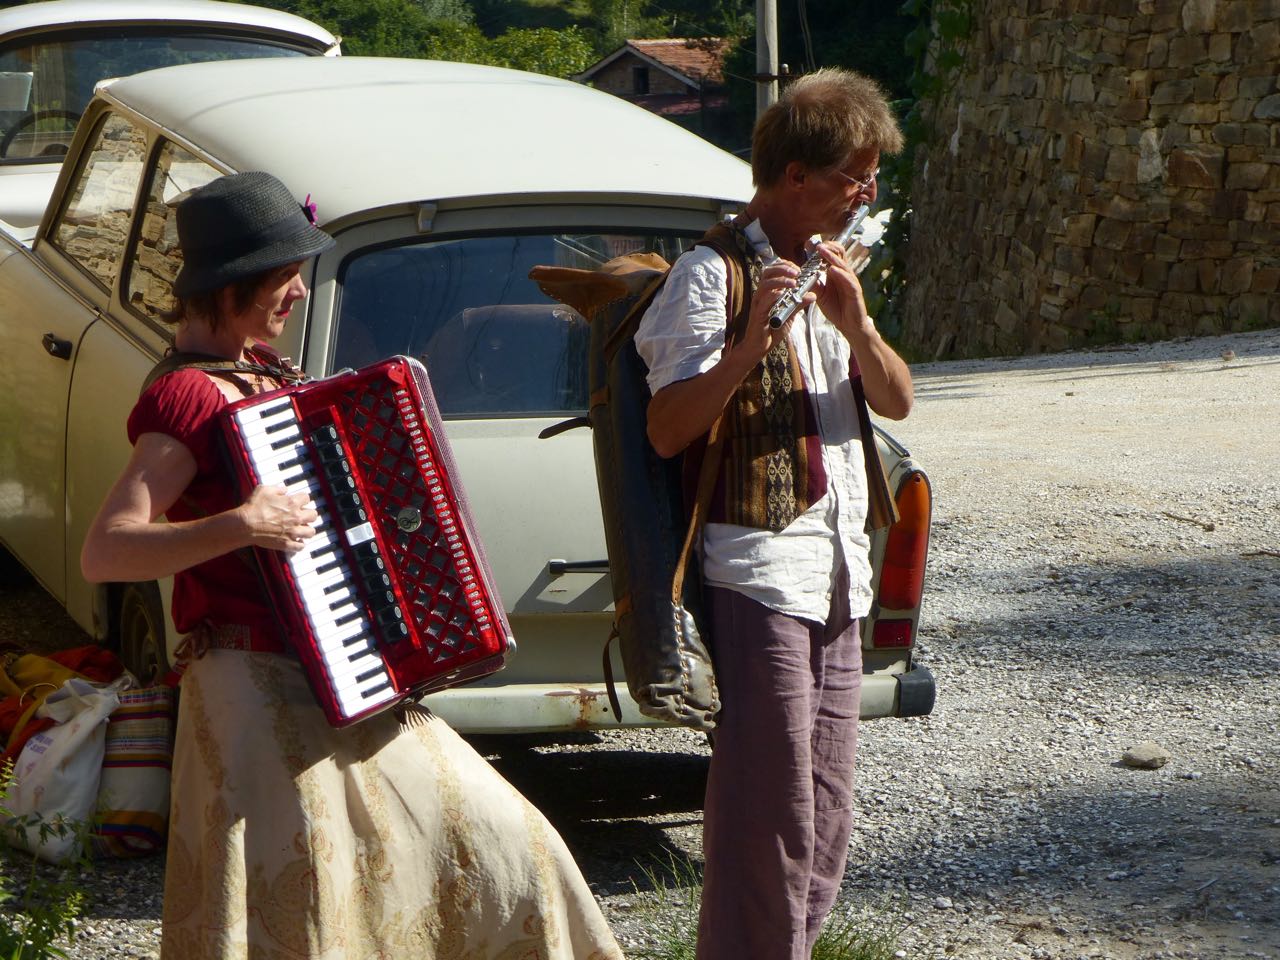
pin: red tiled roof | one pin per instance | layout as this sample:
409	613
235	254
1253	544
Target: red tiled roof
699	59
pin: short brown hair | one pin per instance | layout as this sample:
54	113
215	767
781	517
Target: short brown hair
205	304
822	120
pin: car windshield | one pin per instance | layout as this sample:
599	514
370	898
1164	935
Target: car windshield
493	343
45	84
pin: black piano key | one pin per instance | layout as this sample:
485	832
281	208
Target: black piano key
369	674
353	615
374	691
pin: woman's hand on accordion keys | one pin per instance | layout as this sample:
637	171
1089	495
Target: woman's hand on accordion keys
278	520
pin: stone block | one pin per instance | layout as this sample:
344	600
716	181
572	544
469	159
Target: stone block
1102	263
1006	319
1094	162
1080	89
1122	165
1093	297
1198	16
1234	16
1196	113
1150	161
1228	87
1070	259
1187	50
1247	176
1227	134
1264	40
1268	108
1135	53
1142	309
1206	88
1129	267
1157	49
1174	135
1256	87
1131	111
1112	234
1195	167
1265	280
1220	47
1207	275
1183	276
1230	204
1237	275
1167	247
1078	229
1172	92
1155	274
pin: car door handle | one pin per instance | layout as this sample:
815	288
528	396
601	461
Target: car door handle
558	568
55	346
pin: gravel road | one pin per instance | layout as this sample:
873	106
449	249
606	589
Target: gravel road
1104	572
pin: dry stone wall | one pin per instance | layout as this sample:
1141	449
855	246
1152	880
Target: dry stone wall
1100	170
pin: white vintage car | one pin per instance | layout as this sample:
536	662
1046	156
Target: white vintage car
53	54
442	184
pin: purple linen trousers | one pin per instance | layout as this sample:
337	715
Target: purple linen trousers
779	803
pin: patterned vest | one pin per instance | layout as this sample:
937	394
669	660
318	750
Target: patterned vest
771	470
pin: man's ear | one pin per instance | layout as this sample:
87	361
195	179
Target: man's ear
795	175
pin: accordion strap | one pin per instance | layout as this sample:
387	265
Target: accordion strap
279	369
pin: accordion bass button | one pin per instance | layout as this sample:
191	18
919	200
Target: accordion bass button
409	519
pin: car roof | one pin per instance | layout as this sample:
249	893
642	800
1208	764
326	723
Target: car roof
362	133
73	14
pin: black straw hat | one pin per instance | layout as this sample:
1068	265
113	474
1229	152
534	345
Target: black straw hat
241	225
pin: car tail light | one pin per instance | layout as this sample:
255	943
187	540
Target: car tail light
891	633
902	575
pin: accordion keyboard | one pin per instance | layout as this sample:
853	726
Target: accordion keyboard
392	596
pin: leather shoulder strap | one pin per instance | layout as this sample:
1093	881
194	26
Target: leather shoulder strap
232	370
737	304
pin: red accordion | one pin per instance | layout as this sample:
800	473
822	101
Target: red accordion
392	598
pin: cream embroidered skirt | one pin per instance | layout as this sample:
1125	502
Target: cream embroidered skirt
290	839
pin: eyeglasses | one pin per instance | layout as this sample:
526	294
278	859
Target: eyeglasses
861	182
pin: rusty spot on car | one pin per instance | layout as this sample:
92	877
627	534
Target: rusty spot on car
586	703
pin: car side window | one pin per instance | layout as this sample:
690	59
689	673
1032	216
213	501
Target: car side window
155	259
94	224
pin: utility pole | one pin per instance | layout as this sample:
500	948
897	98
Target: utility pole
766	54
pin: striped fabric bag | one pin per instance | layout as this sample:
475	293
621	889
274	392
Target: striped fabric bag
133	795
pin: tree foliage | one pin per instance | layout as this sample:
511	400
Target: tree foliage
443	30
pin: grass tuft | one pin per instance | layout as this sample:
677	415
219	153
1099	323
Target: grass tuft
669	912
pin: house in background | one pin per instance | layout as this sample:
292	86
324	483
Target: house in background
680	79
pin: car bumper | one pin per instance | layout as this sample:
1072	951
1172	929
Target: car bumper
534	707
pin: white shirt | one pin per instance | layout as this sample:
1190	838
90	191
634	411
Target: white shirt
680	336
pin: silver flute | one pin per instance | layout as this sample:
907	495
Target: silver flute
789	302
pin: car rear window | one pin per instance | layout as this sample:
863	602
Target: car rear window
46	83
493	343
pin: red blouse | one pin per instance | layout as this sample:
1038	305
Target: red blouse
224	591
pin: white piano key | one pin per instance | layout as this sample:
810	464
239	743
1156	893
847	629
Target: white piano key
257	426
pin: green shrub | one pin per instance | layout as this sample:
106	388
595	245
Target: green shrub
44	911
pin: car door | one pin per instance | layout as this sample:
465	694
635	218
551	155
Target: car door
49	297
116	354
